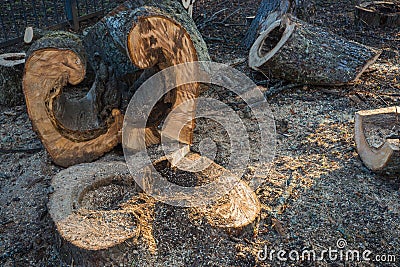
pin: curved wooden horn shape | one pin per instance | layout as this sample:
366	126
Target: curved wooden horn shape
70	129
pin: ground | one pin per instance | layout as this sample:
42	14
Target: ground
318	191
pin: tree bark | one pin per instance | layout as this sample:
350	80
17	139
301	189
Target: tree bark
378	14
11	72
296	51
81	130
271	11
72	130
386	157
159	35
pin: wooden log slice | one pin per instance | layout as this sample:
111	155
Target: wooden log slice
99	215
161	34
11	72
386	156
378	14
234	210
72	130
296	51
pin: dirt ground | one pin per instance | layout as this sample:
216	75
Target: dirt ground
318	191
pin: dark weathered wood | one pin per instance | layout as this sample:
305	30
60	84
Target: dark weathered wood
72	130
11	72
296	51
378	14
270	11
386	157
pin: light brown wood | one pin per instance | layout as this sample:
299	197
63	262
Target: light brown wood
95	225
385	157
69	129
296	51
161	34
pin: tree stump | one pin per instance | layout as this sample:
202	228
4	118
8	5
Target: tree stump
11	72
378	14
99	215
72	130
103	220
296	51
382	155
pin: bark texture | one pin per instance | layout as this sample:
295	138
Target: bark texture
385	158
296	51
271	10
379	14
11	72
158	35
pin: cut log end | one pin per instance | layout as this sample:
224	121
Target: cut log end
384	157
296	51
378	14
69	128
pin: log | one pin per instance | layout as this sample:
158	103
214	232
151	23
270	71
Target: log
99	215
159	35
270	11
81	130
234	210
296	51
378	14
73	130
11	72
385	155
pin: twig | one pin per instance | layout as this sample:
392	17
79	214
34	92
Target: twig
22	150
213	17
273	91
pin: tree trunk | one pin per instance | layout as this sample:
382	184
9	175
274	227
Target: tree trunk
72	130
384	157
161	34
378	14
81	130
296	51
11	72
271	11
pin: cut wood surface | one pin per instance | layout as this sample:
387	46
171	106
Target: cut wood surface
11	72
101	217
296	51
138	35
378	13
161	34
234	210
385	157
98	213
72	130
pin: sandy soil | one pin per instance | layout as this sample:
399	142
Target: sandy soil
318	191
